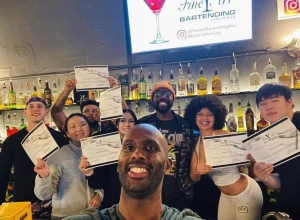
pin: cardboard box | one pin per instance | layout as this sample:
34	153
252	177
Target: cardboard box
16	211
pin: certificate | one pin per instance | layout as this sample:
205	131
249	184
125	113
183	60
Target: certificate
101	150
111	104
39	143
91	77
275	144
225	150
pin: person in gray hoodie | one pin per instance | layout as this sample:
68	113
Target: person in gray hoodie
142	164
60	178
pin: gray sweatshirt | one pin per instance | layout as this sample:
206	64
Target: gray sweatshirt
66	184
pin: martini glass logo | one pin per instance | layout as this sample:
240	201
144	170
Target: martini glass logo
291	7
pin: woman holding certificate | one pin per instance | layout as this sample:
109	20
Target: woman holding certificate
60	179
241	197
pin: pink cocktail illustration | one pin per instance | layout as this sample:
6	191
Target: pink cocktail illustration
156	6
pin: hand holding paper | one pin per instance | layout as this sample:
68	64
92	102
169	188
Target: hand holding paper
41	168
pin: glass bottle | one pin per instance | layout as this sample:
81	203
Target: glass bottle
22	125
4	95
234	77
69	100
54	92
40	89
134	90
216	84
173	82
284	77
249	116
12	99
262	123
47	95
27	93
34	92
296	74
231	122
20	101
201	84
92	95
142	85
8	125
149	86
181	83
240	113
190	82
160	77
125	86
270	72
254	78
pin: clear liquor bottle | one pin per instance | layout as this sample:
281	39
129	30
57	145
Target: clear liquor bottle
40	89
54	92
254	78
270	72
27	93
231	122
181	83
4	95
234	77
149	85
190	82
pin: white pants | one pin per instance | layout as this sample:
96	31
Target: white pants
244	206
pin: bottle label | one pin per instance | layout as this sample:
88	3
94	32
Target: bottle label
217	86
255	80
202	86
124	91
11	98
297	73
174	87
149	91
142	88
134	87
181	85
240	122
249	122
270	75
92	94
231	125
190	88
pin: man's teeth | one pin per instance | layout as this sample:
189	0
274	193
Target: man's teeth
138	170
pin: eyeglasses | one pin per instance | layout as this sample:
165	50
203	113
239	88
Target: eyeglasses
165	94
124	120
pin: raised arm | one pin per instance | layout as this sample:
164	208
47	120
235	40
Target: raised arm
57	113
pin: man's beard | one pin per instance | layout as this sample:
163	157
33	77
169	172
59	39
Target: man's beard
164	109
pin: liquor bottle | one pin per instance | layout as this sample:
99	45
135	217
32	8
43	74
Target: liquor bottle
118	79
234	77
173	82
270	73
8	125
296	74
34	92
27	93
125	86
284	77
216	84
14	122
254	79
22	125
69	100
249	116
149	85
134	90
4	95
160	77
12	99
20	101
40	89
240	113
47	95
142	85
231	122
92	95
190	82
201	84
181	83
262	123
54	92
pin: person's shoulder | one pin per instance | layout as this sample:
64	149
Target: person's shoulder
59	137
296	119
146	119
174	214
16	137
110	213
89	214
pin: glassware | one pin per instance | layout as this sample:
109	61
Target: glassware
202	84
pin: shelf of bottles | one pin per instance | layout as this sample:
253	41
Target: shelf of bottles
137	90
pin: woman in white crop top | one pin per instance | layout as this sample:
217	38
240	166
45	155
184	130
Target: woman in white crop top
241	197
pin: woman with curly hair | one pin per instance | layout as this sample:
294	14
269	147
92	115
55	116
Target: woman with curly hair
241	197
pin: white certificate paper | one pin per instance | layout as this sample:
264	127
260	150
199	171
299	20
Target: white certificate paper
111	104
91	77
275	144
225	150
39	143
101	150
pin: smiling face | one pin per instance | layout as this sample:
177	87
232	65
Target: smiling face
126	123
205	119
275	108
162	100
92	113
35	112
77	128
143	161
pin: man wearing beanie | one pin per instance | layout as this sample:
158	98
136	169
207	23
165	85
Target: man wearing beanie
177	185
13	154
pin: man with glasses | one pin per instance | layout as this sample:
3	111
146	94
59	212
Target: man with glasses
177	185
89	108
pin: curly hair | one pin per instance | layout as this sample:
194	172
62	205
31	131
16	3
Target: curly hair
213	103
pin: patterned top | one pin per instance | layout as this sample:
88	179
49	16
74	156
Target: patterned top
184	150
